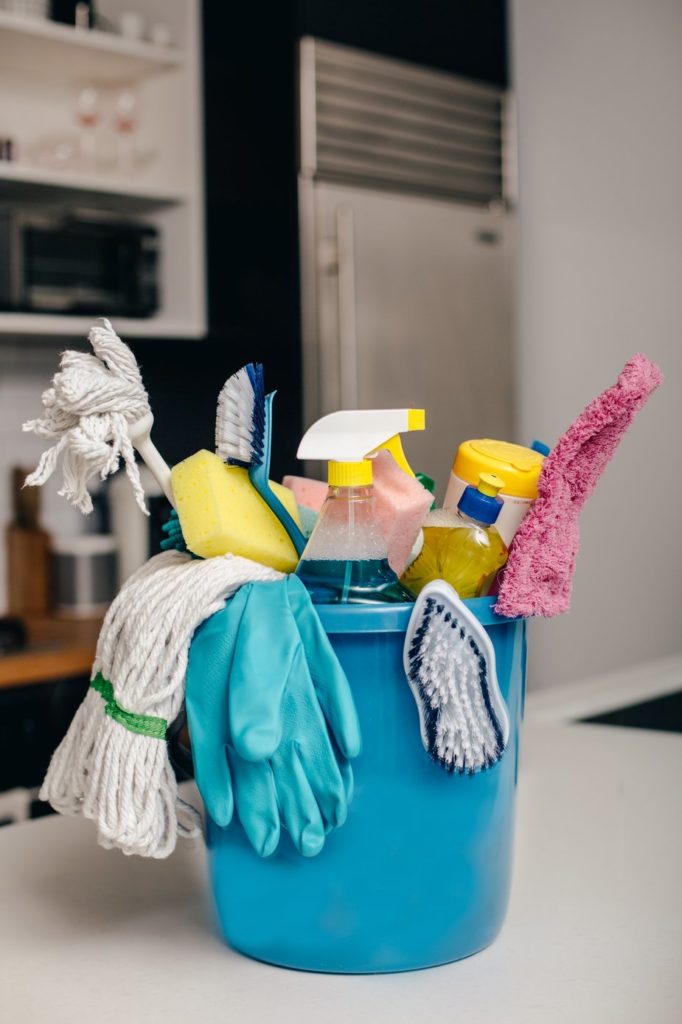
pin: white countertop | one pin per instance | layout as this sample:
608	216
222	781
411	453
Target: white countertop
594	931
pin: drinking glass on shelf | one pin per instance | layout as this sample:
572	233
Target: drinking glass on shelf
125	125
56	152
87	116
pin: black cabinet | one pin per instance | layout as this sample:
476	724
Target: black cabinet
33	720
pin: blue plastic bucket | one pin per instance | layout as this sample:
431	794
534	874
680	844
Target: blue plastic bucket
420	873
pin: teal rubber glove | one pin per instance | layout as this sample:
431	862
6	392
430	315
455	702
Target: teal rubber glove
272	718
173	539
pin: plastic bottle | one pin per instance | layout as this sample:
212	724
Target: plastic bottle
518	468
463	547
346	559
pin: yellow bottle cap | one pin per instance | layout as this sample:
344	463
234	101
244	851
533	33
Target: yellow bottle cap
490	484
517	467
350	474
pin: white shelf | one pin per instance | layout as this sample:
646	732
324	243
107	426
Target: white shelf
39	325
43	67
22	182
48	48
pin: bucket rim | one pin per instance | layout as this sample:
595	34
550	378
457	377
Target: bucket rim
393	618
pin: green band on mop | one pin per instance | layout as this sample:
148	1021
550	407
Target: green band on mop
145	725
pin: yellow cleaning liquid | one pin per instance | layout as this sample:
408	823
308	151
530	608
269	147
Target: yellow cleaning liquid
468	558
463	547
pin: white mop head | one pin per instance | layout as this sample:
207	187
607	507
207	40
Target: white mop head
112	766
449	661
92	401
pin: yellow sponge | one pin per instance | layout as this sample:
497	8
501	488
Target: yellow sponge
221	513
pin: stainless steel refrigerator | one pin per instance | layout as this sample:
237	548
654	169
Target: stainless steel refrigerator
406	247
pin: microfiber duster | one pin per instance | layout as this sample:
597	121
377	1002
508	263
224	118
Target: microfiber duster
538	576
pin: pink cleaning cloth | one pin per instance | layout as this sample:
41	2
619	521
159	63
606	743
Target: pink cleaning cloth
310	493
538	576
401	504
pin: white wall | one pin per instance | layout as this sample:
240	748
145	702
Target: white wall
599	88
25	372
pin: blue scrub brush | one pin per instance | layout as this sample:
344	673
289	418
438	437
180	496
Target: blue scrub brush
243	435
449	661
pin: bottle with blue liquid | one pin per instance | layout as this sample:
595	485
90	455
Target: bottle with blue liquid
346	559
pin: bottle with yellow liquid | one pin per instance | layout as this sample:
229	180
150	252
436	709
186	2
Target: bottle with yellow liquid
462	547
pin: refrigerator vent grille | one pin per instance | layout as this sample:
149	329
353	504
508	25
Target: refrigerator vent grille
378	122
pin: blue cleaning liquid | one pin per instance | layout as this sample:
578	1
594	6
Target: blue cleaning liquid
365	581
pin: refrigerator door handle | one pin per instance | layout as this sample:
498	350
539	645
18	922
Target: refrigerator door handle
347	318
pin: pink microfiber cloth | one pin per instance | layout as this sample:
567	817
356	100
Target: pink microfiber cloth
538	576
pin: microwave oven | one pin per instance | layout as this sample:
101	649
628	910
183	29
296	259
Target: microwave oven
54	262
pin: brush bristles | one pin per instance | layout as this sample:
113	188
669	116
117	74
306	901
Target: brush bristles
256	377
449	673
240	417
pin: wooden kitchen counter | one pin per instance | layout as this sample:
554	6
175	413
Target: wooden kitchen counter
58	648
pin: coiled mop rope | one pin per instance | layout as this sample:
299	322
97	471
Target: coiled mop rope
112	766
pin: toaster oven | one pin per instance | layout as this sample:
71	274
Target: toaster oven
55	262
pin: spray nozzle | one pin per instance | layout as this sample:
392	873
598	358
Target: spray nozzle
346	439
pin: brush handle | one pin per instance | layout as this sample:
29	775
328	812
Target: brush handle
275	505
260	478
140	435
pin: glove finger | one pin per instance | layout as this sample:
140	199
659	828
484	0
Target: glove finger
304	724
208	667
348	786
256	802
348	780
325	780
209	664
298	807
265	646
331	685
212	775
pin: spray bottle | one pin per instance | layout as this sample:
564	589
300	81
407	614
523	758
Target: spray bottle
346	559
